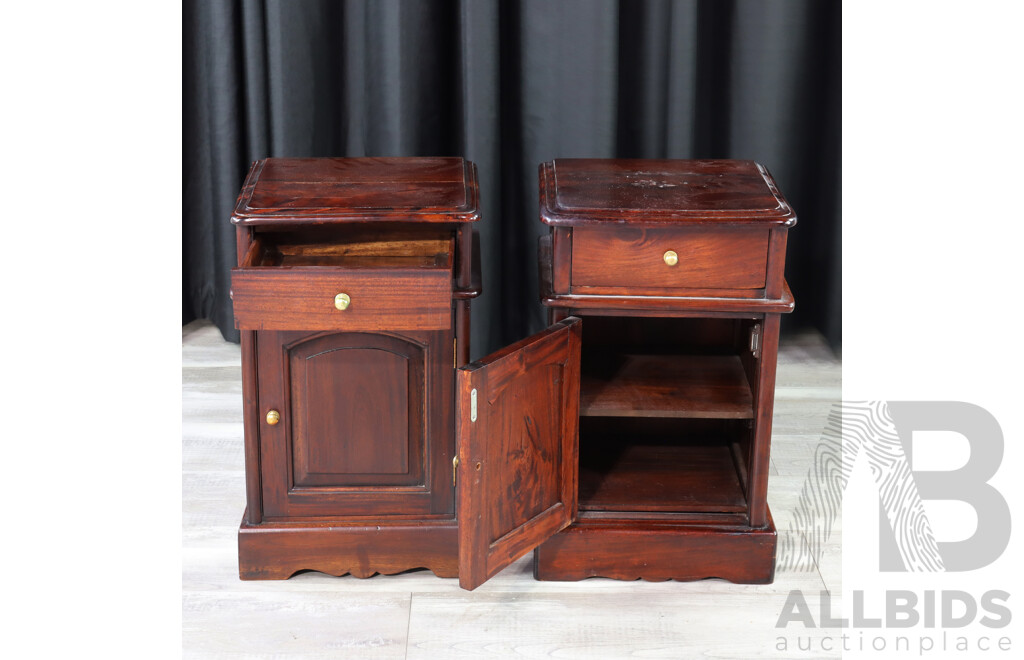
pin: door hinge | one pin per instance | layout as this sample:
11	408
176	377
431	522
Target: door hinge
472	405
455	469
755	340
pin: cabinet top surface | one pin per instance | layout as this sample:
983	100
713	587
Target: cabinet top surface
582	191
332	190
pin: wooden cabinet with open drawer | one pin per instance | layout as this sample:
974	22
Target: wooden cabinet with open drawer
354	280
352	293
629	439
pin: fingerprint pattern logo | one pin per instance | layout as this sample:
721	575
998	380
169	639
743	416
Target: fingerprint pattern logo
854	428
820	503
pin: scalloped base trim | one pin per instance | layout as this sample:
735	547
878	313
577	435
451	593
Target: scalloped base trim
271	551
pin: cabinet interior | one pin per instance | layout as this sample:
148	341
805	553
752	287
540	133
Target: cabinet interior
353	247
667	408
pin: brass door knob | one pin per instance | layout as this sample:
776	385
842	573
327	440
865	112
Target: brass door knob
273	417
342	301
671	258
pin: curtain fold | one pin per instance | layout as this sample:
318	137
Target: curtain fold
509	84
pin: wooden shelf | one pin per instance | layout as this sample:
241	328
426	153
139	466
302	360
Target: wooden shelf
648	476
701	386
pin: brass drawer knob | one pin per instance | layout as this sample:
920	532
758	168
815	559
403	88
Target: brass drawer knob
342	301
671	258
273	417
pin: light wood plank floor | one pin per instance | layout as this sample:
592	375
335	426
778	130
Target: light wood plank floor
417	615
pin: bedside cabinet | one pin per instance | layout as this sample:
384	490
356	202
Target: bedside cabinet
628	439
352	296
676	269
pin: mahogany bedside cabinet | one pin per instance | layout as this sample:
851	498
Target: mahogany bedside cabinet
352	296
373	447
676	268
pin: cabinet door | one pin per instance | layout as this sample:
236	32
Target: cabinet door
364	421
518	443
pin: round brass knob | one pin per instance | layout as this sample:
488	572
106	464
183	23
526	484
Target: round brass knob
671	258
342	301
273	417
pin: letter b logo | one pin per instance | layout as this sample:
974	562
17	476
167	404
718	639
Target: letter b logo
967	484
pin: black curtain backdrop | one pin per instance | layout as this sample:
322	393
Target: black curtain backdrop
509	84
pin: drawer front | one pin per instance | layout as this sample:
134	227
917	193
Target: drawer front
378	300
691	258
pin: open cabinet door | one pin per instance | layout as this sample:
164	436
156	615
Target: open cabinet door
518	444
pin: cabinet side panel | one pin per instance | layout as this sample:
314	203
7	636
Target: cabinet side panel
774	281
462	332
251	429
439	409
561	249
759	457
250	404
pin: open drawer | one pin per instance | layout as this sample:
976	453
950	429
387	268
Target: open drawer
359	281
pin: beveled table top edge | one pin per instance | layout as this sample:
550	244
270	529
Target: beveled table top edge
247	215
552	213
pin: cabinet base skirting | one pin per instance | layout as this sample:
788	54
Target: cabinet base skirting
271	551
631	551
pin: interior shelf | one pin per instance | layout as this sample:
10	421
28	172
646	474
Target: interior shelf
651	475
694	386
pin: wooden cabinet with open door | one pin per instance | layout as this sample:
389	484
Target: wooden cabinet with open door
517	449
628	439
676	269
352	296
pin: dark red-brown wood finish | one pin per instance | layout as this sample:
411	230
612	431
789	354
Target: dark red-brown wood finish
337	547
631	442
352	294
364	428
297	191
517	426
626	550
616	260
676	268
580	192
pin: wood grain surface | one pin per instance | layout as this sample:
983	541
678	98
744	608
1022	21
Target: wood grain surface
667	473
607	191
363	429
381	299
415	614
518	449
678	552
629	385
627	258
343	190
